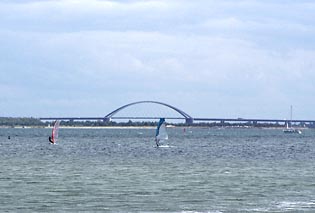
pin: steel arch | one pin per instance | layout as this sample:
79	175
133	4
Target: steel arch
184	114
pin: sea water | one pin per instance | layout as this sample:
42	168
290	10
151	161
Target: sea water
121	170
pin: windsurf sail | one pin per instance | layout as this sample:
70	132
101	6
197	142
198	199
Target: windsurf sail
54	134
161	133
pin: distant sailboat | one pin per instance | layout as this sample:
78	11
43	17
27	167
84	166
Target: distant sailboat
288	128
54	134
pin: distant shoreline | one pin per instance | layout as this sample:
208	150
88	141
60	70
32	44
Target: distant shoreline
7	122
144	127
78	127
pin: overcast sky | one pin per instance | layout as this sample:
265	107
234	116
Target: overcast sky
210	58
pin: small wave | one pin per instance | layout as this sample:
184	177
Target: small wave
166	146
291	205
201	212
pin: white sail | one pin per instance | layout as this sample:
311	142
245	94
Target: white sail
162	133
289	128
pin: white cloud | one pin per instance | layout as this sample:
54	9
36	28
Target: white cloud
73	15
121	51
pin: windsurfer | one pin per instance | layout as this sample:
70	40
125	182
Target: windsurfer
158	135
157	142
51	140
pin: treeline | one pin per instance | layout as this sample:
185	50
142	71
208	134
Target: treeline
9	121
35	122
102	123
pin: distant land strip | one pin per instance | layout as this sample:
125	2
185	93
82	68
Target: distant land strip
151	121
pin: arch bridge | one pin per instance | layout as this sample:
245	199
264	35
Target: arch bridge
184	115
112	115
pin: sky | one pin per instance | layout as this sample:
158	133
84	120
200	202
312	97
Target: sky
209	58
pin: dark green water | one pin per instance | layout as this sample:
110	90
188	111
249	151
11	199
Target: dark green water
120	170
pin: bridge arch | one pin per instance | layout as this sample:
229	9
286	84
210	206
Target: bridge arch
188	118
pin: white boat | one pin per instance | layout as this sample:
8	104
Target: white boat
290	129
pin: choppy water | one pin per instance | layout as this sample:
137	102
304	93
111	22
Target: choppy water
121	170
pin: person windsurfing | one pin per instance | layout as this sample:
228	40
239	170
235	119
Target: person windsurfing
54	134
157	133
157	141
51	139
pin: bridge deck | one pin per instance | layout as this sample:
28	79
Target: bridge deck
256	120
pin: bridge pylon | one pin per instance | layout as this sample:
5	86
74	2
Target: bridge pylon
106	120
189	121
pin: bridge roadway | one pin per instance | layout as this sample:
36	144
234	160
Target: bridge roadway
184	116
222	120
